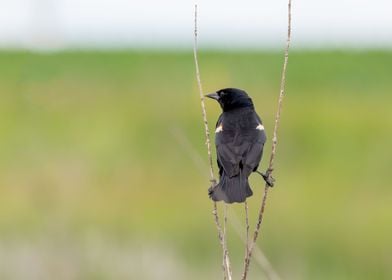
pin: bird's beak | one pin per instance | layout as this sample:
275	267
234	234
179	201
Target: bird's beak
213	96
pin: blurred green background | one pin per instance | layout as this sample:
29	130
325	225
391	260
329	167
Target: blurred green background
103	168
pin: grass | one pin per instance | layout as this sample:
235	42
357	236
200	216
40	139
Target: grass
90	169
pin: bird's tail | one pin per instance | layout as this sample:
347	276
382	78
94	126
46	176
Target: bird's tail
231	189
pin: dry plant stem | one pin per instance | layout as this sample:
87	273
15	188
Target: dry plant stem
255	235
274	144
221	236
226	258
247	229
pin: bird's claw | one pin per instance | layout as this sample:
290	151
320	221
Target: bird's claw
213	185
269	180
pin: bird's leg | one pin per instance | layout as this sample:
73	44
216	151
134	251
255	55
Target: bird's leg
267	177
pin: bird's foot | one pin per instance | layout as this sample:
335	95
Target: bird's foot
211	189
269	180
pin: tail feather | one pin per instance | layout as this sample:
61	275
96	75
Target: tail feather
234	189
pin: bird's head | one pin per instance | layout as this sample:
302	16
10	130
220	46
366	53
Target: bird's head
231	98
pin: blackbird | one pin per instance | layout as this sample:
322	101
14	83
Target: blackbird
239	140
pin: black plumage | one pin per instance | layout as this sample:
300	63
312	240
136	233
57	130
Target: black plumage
239	140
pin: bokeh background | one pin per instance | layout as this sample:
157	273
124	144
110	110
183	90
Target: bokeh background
103	168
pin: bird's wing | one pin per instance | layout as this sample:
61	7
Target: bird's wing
228	159
253	156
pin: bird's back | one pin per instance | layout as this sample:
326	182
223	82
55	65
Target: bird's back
241	122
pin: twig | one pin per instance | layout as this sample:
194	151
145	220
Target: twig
247	229
221	235
225	250
274	144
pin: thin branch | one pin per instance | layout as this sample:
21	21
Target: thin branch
221	236
221	239
247	229
274	144
203	107
226	258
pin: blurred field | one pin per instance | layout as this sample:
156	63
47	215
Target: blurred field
103	165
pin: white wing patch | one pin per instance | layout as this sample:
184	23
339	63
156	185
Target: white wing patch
219	128
260	127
